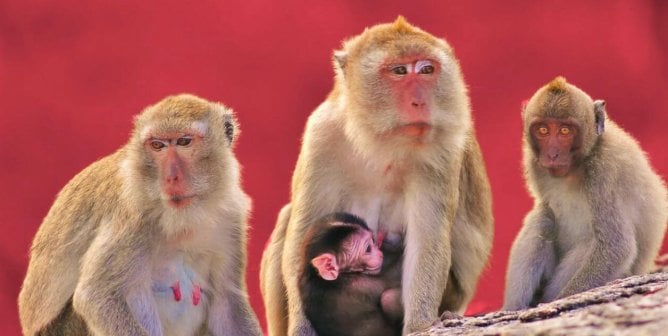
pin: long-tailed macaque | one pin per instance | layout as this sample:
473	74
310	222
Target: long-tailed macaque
150	240
393	144
600	212
348	285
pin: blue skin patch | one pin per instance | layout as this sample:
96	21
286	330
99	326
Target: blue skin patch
173	280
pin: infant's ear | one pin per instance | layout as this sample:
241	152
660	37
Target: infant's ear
326	266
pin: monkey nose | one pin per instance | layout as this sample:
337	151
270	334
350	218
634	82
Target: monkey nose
172	177
172	173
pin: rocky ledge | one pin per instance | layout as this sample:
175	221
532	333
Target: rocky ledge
637	305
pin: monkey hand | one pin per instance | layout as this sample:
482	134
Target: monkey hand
390	302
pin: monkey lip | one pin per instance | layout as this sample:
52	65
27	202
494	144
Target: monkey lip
179	201
414	129
373	271
556	169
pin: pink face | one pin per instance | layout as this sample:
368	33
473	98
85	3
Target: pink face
413	81
173	153
360	254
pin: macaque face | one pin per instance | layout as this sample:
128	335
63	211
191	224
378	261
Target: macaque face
556	141
412	81
175	155
359	253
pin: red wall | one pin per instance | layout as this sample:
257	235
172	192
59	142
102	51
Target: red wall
72	75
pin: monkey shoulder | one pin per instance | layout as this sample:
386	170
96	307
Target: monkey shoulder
77	209
324	125
99	179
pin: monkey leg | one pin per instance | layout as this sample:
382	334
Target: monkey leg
271	278
67	323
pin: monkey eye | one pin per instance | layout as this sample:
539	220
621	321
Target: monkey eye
184	141
399	70
542	130
427	69
157	144
368	249
565	130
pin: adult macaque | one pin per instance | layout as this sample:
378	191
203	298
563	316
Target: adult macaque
347	286
150	240
600	212
393	144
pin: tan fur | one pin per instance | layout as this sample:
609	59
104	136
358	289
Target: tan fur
435	193
94	257
604	220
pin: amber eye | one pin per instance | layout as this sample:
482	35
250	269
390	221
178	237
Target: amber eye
399	70
183	141
543	130
427	69
157	144
565	131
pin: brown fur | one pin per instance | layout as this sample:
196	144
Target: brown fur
604	220
92	259
433	191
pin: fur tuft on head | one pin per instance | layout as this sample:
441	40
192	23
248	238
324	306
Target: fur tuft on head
401	25
558	85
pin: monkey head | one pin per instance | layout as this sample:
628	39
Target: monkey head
561	126
176	158
403	86
344	244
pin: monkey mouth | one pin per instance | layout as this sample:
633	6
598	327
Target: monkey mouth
374	270
556	169
179	201
414	130
559	171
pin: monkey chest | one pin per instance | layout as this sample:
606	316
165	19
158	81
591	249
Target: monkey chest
382	211
573	219
180	290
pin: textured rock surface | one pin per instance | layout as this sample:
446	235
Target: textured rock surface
636	305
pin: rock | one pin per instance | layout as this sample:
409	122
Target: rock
637	305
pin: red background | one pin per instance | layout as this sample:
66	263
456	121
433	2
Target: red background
72	75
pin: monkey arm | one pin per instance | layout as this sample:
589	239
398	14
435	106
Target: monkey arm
272	286
532	257
114	292
298	324
427	258
310	201
613	247
230	312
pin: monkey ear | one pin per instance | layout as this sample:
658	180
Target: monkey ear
230	128
599	112
340	58
326	266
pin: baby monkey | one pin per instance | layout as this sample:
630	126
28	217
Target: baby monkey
347	286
